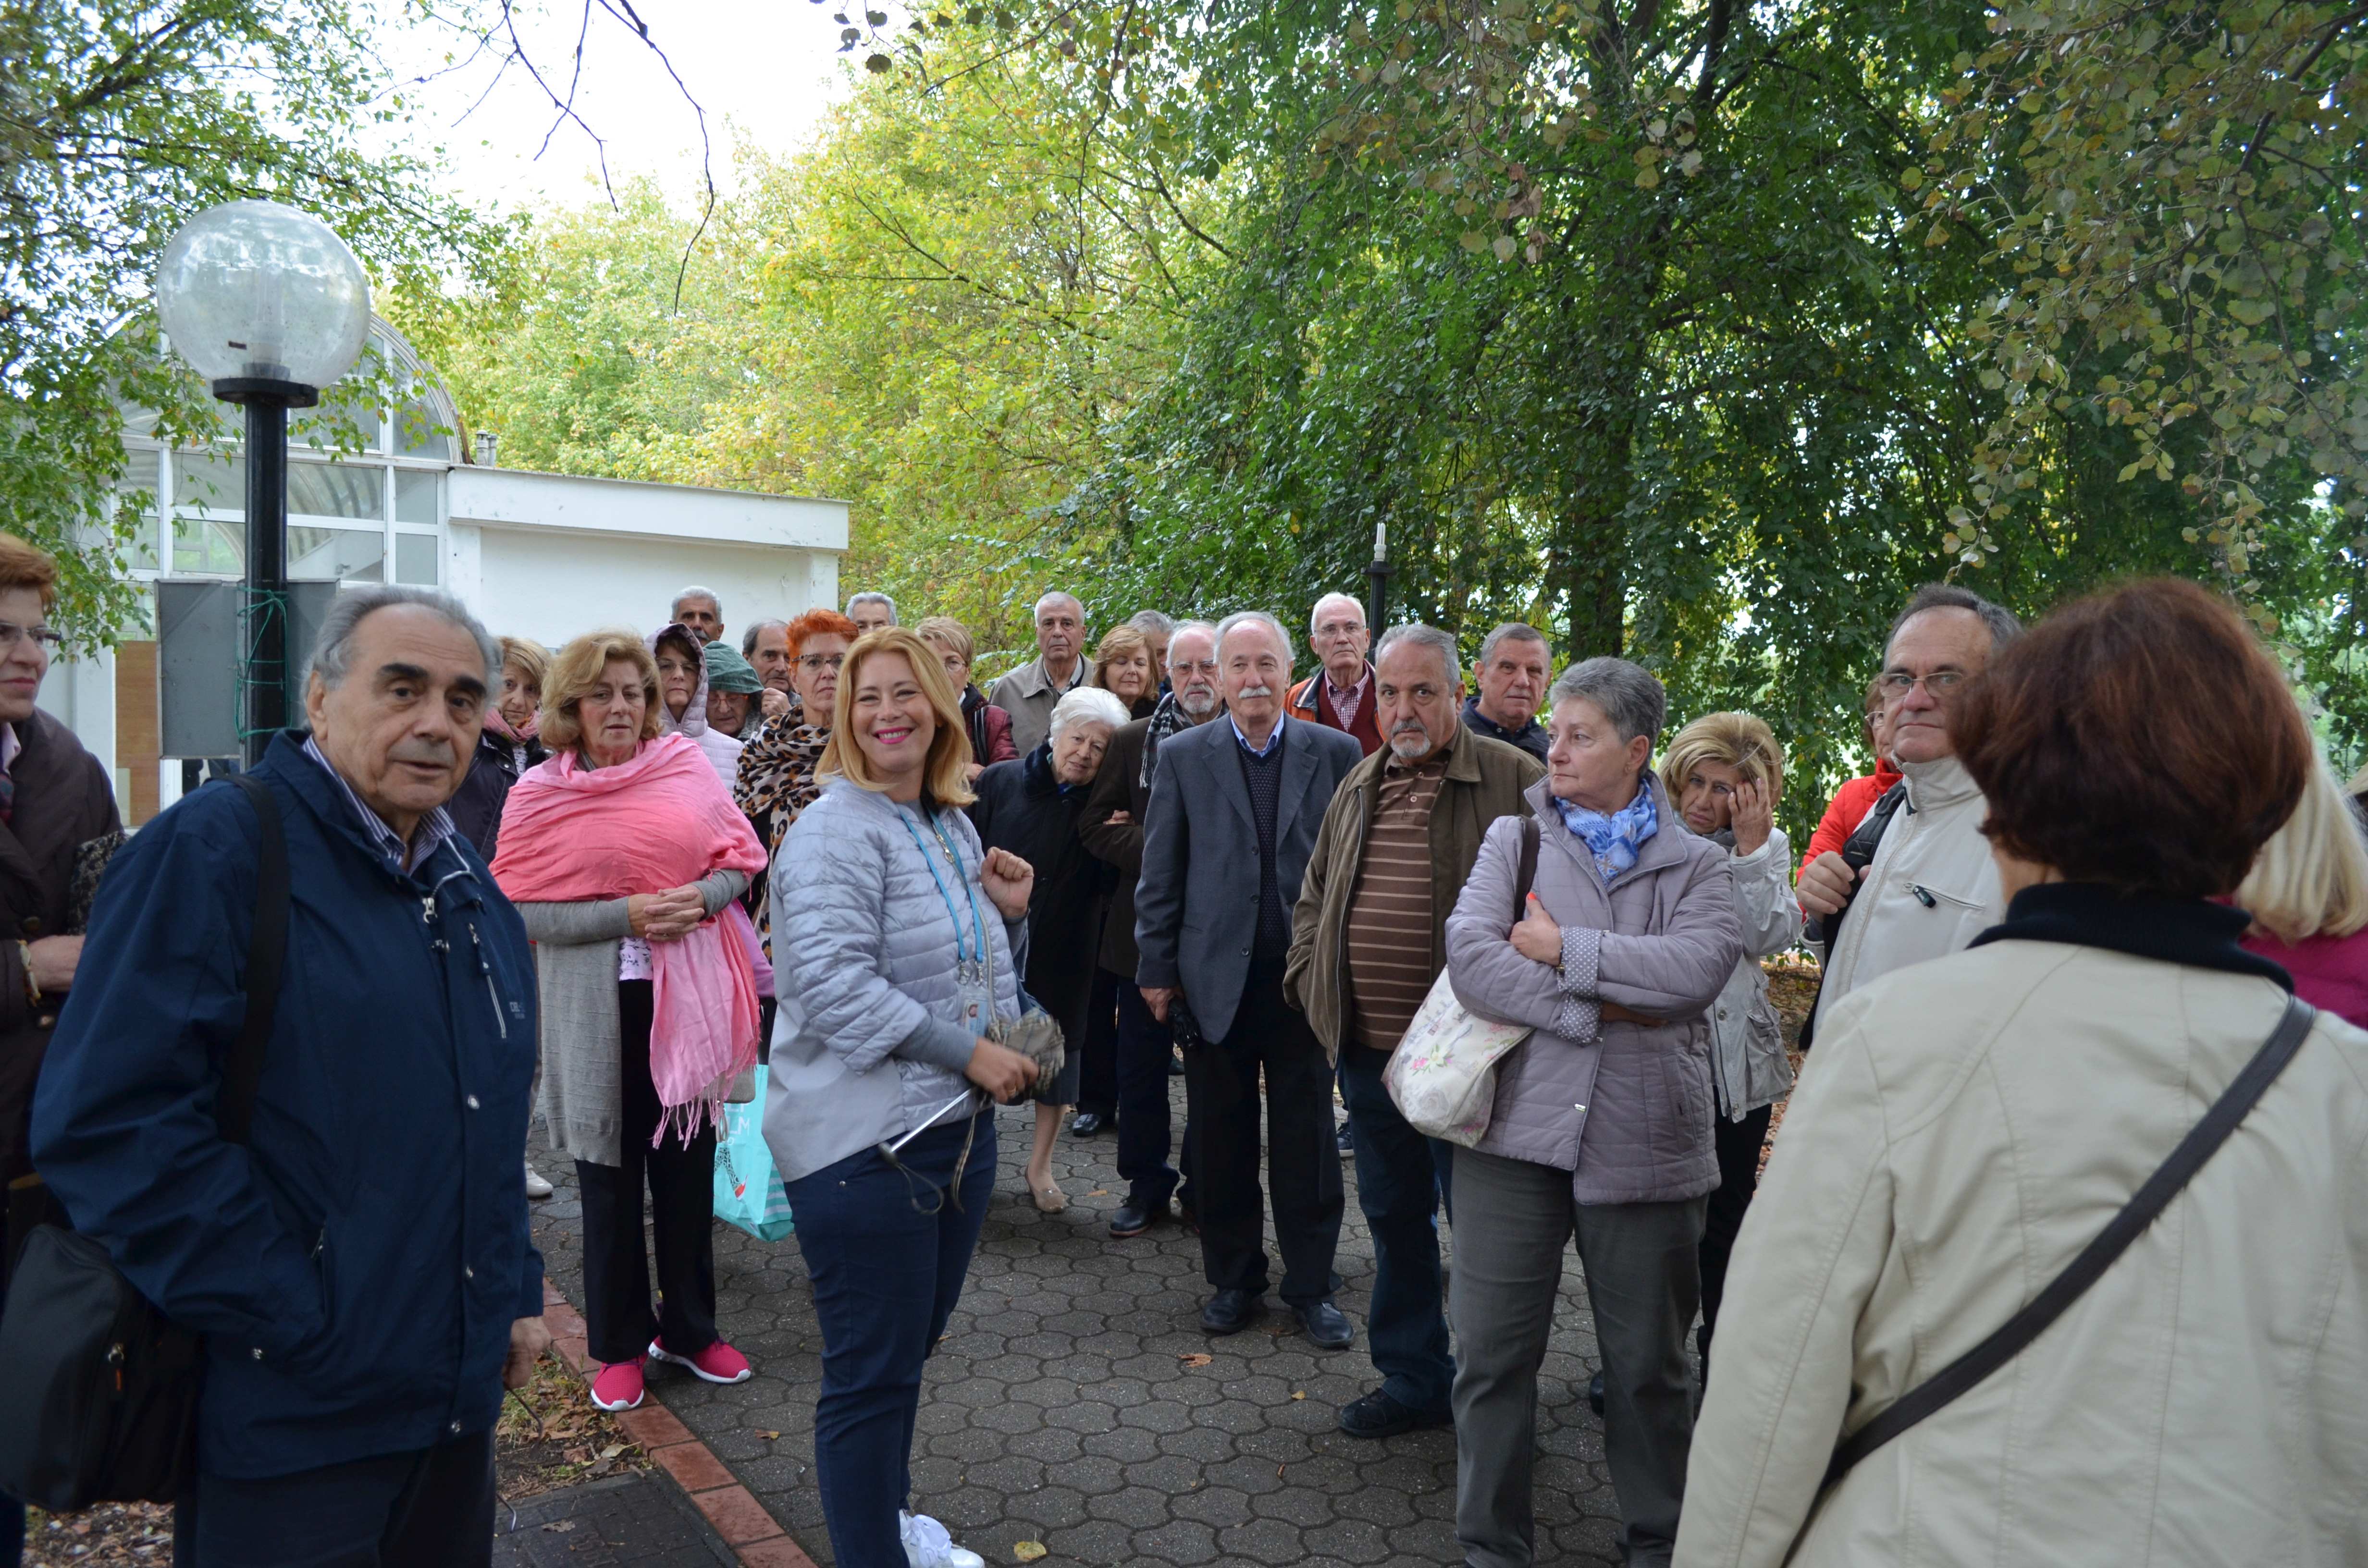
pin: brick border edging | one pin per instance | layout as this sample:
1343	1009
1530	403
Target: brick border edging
747	1527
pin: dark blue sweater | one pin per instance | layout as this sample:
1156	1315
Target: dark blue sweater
356	1269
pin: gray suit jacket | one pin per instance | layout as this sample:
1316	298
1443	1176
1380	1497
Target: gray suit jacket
1196	906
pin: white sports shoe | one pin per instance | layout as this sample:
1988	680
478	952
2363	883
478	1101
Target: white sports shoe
926	1544
535	1185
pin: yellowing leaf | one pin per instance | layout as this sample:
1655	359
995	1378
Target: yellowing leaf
1195	1359
1027	1550
1300	1394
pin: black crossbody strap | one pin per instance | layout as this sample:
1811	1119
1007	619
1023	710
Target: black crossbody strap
267	956
1525	874
2201	1143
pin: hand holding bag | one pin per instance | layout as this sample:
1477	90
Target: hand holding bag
1034	1034
1443	1072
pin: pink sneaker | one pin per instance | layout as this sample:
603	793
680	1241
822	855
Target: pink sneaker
619	1385
719	1363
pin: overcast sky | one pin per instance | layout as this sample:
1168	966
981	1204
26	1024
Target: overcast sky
766	69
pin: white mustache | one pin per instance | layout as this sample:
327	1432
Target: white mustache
1254	691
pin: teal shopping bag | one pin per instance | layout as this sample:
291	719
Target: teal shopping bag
748	1193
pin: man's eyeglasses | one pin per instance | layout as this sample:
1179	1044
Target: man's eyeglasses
11	634
821	661
1939	683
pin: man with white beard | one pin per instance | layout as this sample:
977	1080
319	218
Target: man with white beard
1368	939
1234	814
1113	830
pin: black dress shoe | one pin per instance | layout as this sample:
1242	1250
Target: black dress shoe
1327	1325
1379	1415
1347	1143
1175	1065
1133	1219
1230	1311
1088	1122
1595	1393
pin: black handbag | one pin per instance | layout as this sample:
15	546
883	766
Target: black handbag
2013	1336
100	1401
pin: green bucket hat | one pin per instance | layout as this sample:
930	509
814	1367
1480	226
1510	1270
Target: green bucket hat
727	670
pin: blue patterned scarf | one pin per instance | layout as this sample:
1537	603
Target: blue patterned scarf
1613	840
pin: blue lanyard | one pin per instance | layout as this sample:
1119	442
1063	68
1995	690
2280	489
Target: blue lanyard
978	926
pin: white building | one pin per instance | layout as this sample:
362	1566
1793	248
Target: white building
536	555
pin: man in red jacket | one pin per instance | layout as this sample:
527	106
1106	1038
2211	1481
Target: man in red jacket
1340	694
1855	798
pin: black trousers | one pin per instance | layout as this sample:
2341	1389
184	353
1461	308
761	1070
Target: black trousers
618	1320
429	1508
1145	1048
1221	1084
1097	1054
1738	1144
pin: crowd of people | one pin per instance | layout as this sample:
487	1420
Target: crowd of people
2090	863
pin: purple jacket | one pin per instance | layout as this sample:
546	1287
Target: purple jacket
1626	1108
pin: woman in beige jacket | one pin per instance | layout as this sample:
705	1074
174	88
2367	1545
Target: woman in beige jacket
1969	1124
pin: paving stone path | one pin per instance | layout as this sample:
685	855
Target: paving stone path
1060	1408
633	1521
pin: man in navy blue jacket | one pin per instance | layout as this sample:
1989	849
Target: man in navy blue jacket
362	1269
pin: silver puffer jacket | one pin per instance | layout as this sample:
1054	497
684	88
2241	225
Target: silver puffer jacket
1748	1063
868	1042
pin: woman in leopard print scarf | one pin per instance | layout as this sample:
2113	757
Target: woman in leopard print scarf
778	759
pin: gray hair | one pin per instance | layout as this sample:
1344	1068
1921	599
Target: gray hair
2004	628
1153	621
695	592
1430	637
1629	696
1242	618
1048	596
332	649
748	638
1184	625
872	598
1351	600
1512	631
1087	705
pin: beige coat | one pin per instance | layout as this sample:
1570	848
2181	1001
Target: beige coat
1931	890
1963	1128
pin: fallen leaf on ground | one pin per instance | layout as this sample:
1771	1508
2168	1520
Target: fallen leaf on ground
560	1527
1027	1550
1195	1360
1097	1192
613	1450
1301	1394
768	1437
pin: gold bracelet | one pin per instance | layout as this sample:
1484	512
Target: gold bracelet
32	986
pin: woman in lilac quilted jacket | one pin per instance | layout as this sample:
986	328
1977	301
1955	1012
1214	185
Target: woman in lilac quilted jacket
1600	1127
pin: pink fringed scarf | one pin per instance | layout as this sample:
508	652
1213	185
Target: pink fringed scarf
659	821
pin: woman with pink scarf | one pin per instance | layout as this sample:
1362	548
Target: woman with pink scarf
626	856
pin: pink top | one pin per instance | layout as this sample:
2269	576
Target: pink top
2330	972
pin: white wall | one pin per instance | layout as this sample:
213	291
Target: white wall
80	694
551	586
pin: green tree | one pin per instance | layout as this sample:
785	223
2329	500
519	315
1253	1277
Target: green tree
119	119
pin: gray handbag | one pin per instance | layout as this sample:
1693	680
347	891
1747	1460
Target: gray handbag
1035	1034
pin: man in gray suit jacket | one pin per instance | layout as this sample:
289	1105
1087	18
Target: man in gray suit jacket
1232	821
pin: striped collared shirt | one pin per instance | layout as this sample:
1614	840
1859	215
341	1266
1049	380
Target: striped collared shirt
433	829
1390	919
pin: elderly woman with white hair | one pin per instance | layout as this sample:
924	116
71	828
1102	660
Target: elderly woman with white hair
1600	1127
1031	807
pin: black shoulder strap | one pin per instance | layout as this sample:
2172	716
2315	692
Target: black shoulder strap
1858	852
1526	876
267	955
2199	1144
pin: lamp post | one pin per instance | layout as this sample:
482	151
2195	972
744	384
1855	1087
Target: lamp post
1378	575
269	306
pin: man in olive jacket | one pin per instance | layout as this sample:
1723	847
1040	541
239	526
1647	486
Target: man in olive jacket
1368	939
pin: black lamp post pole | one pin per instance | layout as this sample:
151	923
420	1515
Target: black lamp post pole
266	676
1378	575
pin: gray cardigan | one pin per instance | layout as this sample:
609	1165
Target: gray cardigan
576	973
868	1039
1625	1108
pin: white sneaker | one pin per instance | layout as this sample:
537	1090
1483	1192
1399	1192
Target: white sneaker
926	1544
535	1185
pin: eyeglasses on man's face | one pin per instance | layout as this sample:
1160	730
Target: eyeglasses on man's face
1898	683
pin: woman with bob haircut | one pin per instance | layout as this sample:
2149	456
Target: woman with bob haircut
1125	667
1725	773
621	851
900	943
2308	896
1969	1125
988	727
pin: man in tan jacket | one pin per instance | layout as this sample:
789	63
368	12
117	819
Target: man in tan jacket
1367	941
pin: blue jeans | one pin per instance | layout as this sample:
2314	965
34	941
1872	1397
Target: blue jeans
887	1249
1401	1175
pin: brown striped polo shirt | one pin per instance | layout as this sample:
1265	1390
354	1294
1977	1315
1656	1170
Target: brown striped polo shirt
1389	909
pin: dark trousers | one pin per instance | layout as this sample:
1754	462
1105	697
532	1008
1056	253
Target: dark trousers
1098	1055
1144	1049
428	1508
1400	1174
681	1178
888	1249
1221	1082
1738	1177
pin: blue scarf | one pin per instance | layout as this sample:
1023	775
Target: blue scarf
1613	840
